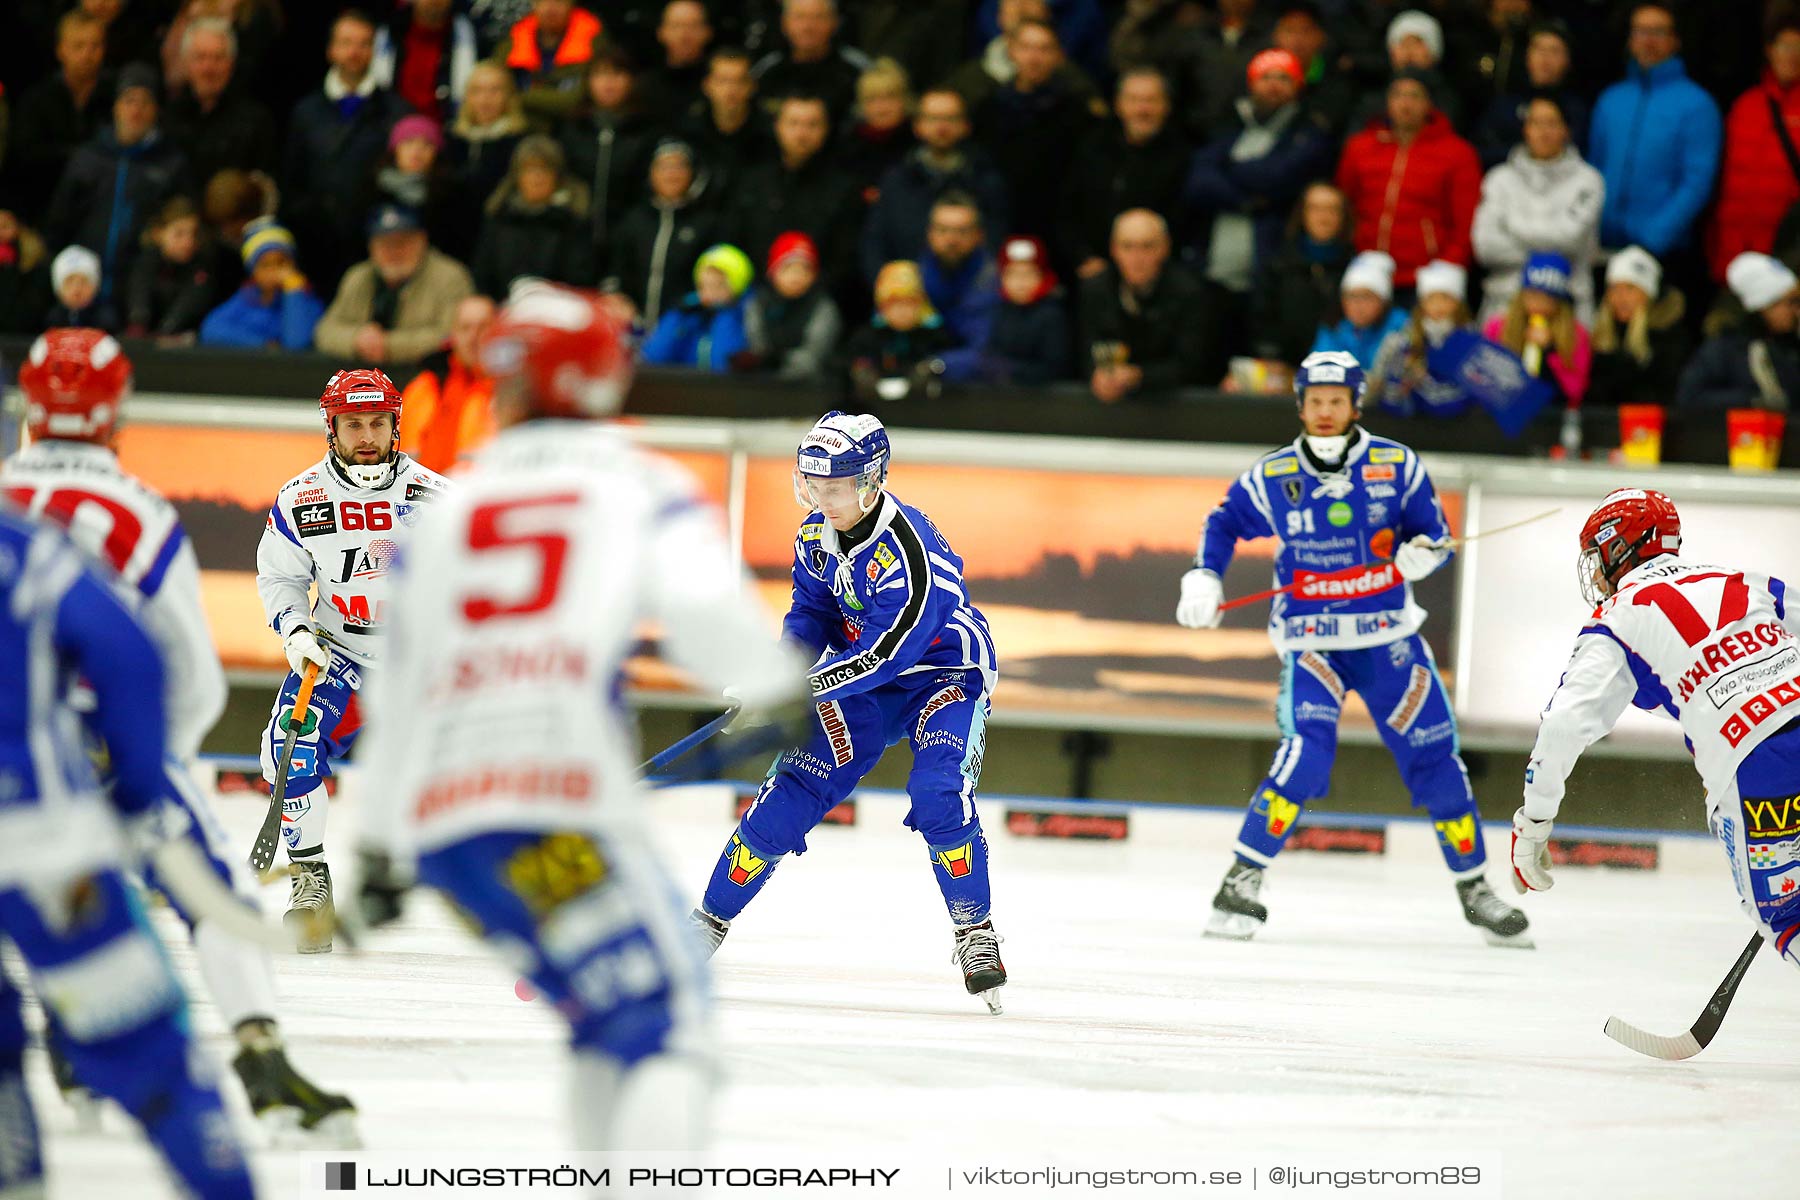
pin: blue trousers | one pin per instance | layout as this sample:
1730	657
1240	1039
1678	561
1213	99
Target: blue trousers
1399	683
333	720
122	1021
595	927
1760	830
943	715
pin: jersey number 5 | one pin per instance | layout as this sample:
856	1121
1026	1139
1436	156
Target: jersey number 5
516	525
1734	602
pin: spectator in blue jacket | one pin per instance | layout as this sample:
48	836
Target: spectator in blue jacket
961	280
1655	137
275	309
1241	187
1370	316
707	329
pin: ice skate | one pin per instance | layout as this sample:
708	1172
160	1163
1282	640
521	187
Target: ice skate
293	1109
978	954
712	930
311	916
1500	923
1236	911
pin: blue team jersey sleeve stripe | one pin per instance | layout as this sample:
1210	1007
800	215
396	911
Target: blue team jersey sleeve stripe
1778	591
1651	692
918	578
152	581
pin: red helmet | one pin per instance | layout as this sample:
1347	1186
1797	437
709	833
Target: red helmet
74	381
1631	526
366	391
565	350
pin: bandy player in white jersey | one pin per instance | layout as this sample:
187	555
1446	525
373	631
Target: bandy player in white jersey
501	767
75	381
338	527
1715	649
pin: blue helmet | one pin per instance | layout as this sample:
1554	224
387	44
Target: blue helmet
1331	367
843	445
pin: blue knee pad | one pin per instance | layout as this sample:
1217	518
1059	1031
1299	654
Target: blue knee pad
1300	772
960	867
743	869
629	1033
1440	785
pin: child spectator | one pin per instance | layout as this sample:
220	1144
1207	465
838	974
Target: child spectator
1028	341
75	278
1539	326
24	274
707	330
172	283
1751	357
898	354
790	325
537	224
1640	341
1366	295
1403	380
275	309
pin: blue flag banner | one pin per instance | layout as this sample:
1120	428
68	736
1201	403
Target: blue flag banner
1494	376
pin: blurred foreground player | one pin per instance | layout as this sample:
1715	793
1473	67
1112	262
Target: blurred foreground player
901	655
1715	649
1339	498
75	381
501	769
337	527
65	903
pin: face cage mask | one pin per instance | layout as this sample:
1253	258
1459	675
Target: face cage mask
1590	572
868	488
368	475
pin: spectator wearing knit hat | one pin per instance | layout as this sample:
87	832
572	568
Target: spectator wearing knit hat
1751	357
1240	189
1028	340
1401	379
1640	340
791	325
1549	59
898	355
1539	326
1543	197
1760	176
1415	48
1655	138
275	309
117	182
659	240
1366	297
1412	182
1137	160
707	329
172	283
536	224
415	173
397	306
75	280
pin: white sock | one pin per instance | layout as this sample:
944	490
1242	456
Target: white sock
662	1103
238	975
303	824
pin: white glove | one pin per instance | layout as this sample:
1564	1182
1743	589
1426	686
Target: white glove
1531	854
302	647
1201	595
1419	558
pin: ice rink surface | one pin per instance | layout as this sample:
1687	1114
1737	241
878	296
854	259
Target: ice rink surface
1367	1018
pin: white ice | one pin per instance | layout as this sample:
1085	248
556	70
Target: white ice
1367	1017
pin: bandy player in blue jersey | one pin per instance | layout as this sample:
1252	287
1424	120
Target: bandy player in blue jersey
900	654
1337	499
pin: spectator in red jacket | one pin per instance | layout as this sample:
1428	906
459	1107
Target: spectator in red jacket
1412	183
1760	177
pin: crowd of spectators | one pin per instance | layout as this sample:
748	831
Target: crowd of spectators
1141	195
